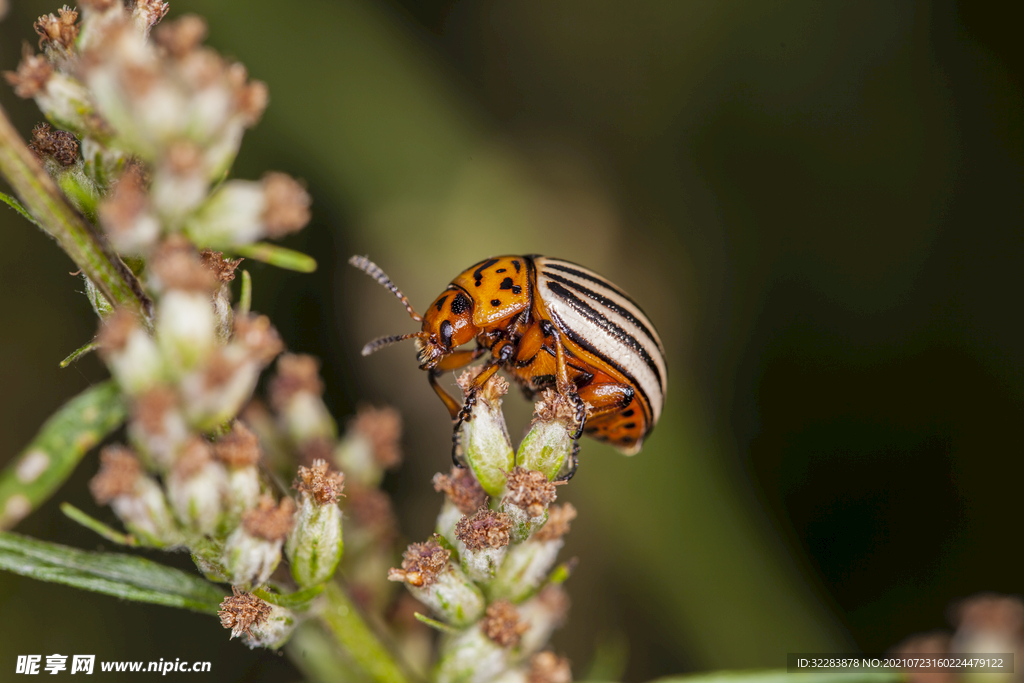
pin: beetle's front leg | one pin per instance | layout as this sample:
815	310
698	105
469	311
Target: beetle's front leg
502	354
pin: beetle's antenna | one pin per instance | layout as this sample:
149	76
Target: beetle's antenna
380	343
373	270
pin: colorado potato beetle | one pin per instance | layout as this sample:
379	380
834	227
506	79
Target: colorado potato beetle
547	323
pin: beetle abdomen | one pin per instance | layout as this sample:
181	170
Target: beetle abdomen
601	318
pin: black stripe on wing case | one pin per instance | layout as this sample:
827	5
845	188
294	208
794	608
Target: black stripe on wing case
608	303
601	321
596	279
590	348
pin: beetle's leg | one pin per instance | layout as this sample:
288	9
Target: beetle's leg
453	361
568	389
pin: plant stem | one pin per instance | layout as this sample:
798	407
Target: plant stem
342	619
76	237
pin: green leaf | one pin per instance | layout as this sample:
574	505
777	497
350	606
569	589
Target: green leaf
781	676
16	205
60	445
123	576
288	259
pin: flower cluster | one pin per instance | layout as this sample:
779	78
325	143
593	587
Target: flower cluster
159	122
489	571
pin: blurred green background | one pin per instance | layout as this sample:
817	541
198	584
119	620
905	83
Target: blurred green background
818	204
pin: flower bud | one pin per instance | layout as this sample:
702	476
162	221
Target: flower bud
126	215
483	542
240	452
253	550
549	443
196	487
484	437
463	496
262	624
483	651
186	328
136	498
528	564
314	548
370	445
295	394
527	496
439	584
242	212
157	426
543	614
130	353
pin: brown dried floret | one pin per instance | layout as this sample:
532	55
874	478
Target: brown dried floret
269	521
492	390
383	428
529	490
547	667
422	563
295	373
148	13
553	406
557	525
241	612
181	36
259	337
320	482
59	144
33	73
194	456
484	529
286	206
462	489
239	447
501	623
119	472
222	268
58	29
152	406
178	266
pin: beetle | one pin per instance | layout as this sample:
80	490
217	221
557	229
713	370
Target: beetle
548	323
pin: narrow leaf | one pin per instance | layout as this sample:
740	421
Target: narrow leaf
435	624
123	576
288	259
97	526
79	352
60	445
16	205
245	299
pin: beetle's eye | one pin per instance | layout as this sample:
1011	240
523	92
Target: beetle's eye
446	333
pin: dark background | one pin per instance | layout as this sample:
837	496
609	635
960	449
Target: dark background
819	205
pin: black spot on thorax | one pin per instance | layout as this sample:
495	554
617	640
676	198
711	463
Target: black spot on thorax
506	283
460	304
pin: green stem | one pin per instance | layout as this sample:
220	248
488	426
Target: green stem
77	238
343	621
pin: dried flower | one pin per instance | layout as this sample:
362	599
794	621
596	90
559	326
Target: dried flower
314	548
58	31
439	584
31	77
136	498
253	550
483	539
60	145
262	624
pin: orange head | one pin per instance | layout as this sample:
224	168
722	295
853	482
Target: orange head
447	325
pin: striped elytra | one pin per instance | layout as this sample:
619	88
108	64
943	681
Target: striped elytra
547	323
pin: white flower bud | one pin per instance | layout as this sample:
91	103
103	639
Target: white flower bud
314	548
196	487
471	657
439	584
67	103
525	568
253	550
136	362
543	614
483	539
484	436
186	328
232	215
446	521
136	498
